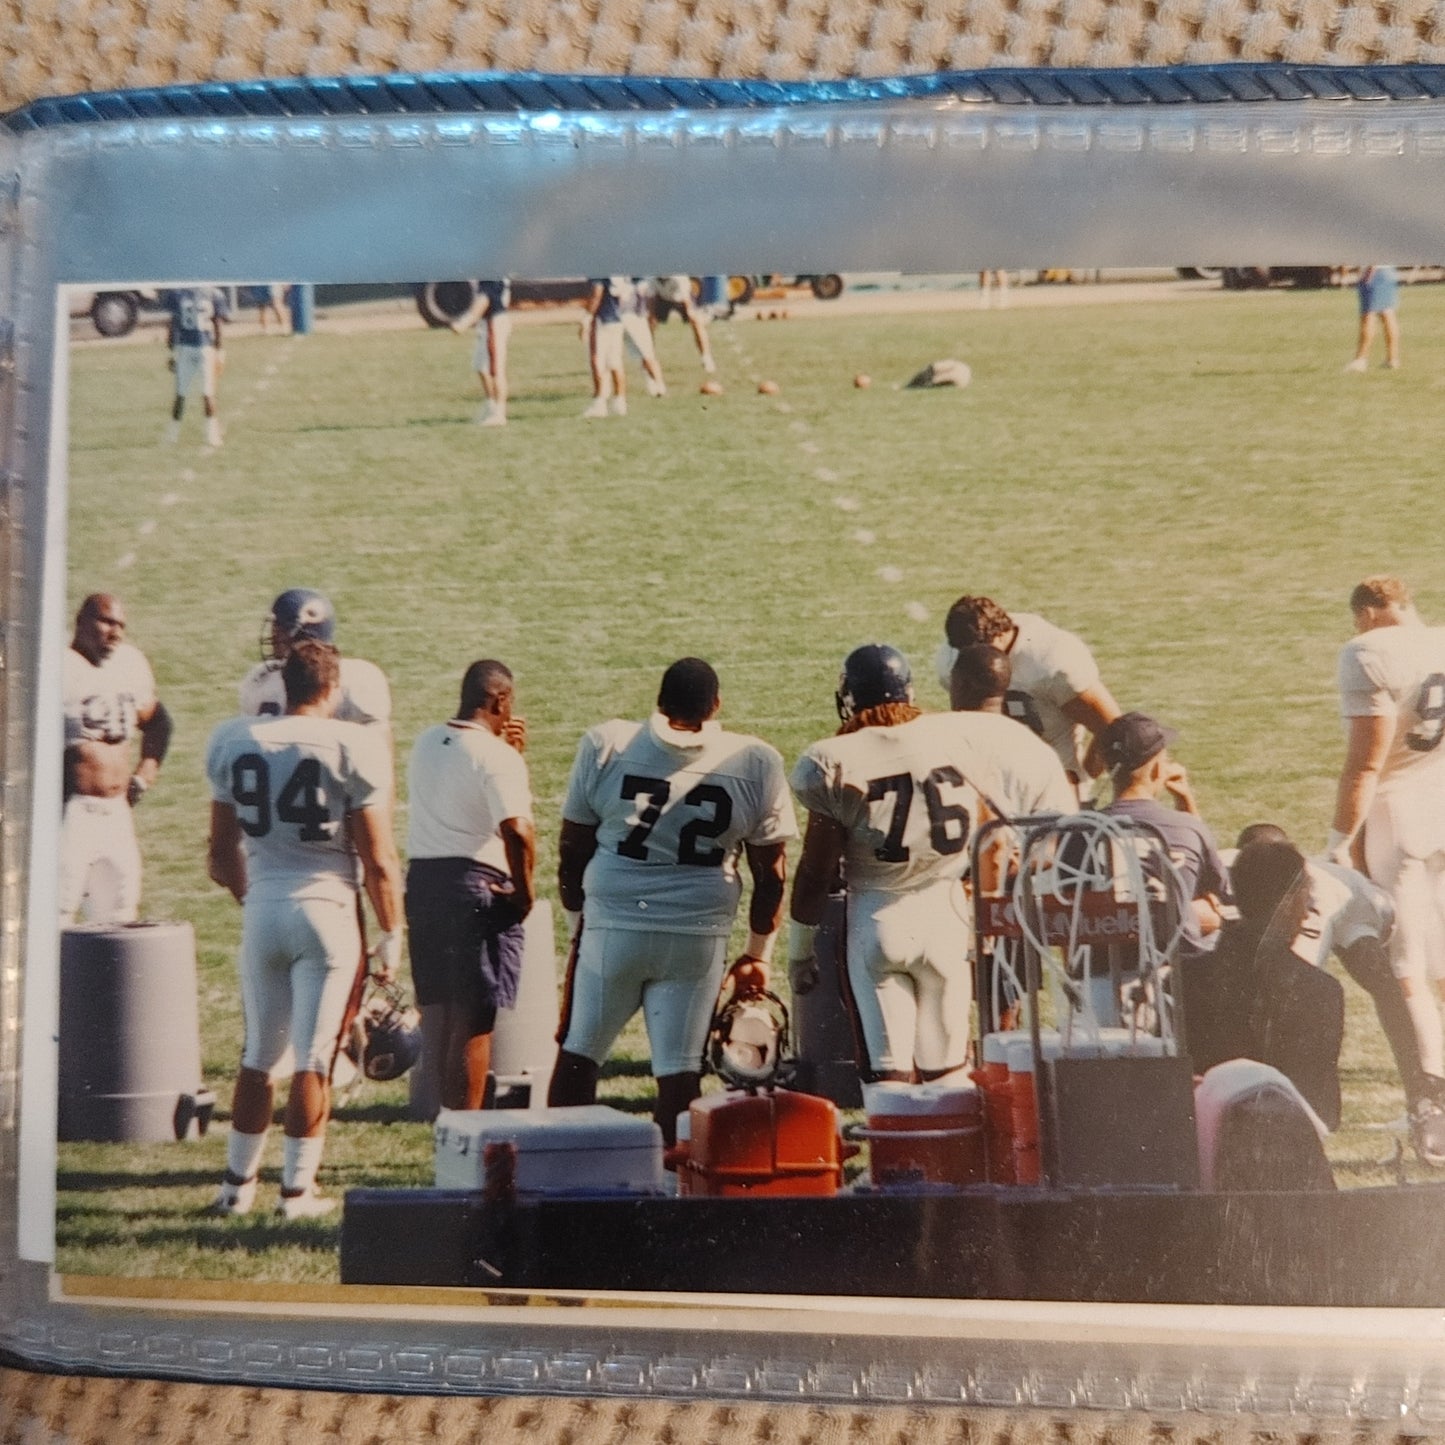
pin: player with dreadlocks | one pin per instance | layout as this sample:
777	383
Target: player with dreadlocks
893	800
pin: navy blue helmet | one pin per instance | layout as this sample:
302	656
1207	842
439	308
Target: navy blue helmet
298	612
872	675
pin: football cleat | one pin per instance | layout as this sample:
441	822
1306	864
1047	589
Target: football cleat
307	1204
298	612
618	406
1427	1132
385	1037
233	1200
872	675
598	408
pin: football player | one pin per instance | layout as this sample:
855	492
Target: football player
1352	918
194	339
1390	805
490	314
635	305
298	613
1055	689
894	800
109	696
602	331
675	292
655	818
296	801
979	680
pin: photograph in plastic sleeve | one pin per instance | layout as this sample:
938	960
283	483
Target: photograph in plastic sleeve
914	787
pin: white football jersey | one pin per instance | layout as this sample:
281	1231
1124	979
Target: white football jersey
1399	672
1345	907
463	782
672	810
909	796
365	693
292	781
676	289
1051	667
103	701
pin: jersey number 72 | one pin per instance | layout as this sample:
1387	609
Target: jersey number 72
694	841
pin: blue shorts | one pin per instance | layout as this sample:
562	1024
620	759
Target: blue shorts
466	941
1379	291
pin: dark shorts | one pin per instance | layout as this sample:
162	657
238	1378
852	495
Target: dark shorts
466	941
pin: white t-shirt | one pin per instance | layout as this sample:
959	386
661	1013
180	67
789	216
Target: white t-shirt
1051	667
365	694
909	796
103	701
673	810
463	782
1399	672
292	781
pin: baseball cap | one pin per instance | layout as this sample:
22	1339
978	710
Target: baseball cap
1132	740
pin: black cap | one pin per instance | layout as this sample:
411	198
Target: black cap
1132	740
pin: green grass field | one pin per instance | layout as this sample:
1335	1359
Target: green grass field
1191	485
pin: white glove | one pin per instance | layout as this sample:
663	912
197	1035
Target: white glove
1337	848
387	954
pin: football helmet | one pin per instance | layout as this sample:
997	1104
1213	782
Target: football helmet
385	1037
298	612
872	675
747	1046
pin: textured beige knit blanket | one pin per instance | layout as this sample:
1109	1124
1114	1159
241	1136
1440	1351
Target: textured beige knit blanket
56	47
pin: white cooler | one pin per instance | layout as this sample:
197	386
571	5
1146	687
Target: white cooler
591	1149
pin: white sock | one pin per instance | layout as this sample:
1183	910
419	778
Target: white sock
1425	1014
243	1154
300	1162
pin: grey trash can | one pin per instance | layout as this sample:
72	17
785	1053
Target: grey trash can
823	1033
130	1046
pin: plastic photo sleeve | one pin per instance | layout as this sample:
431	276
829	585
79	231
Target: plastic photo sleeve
1115	390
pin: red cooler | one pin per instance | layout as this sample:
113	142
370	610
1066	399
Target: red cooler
992	1078
1027	1168
930	1134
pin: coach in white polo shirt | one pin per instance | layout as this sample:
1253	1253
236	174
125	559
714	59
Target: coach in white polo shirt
469	882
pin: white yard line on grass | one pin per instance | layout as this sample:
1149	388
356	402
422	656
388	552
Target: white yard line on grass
149	526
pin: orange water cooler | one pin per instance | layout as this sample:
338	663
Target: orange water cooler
778	1143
